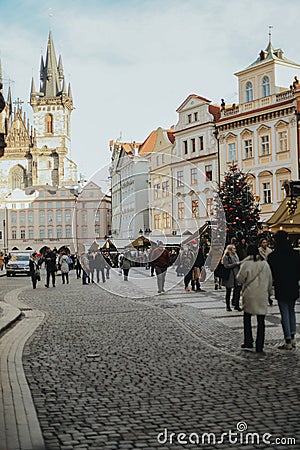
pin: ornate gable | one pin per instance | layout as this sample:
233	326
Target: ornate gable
18	133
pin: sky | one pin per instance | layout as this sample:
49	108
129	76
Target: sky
131	63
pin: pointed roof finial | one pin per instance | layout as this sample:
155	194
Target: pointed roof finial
270	33
70	91
32	90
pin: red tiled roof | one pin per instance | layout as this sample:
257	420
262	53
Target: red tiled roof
148	145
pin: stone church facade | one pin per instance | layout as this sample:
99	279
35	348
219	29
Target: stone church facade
38	155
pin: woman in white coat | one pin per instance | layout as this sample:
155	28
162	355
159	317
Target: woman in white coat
64	267
256	279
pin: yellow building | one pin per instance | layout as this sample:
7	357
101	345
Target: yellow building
260	133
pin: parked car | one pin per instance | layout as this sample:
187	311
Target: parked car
18	263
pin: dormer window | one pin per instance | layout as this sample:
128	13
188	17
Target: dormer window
249	92
265	86
189	118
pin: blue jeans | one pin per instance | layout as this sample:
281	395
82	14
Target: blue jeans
288	318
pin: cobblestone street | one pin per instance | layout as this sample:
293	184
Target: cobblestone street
108	372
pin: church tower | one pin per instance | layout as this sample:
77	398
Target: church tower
52	105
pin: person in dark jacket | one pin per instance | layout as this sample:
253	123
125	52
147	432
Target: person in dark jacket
241	249
161	262
34	268
50	264
100	265
231	261
197	268
285	267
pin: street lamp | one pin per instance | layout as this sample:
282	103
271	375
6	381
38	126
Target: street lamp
217	136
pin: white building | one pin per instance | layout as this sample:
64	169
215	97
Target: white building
129	191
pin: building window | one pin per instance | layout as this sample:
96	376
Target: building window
156	191
59	233
157	221
265	145
208	172
42	233
232	152
163	159
193	145
267	192
13	218
68	232
265	86
30	218
30	233
42	217
50	233
194	178
97	231
185	147
50	217
195	208
189	118
195	116
157	160
58	204
68	216
14	234
84	232
58	217
201	143
22	218
1	235
41	204
249	92
165	188
282	141
181	210
22	234
166	220
84	217
97	217
49	123
248	148
179	178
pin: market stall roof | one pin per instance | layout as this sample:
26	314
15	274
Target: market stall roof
282	220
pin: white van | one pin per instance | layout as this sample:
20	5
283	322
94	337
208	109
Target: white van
18	263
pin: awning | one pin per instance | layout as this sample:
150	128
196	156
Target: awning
282	220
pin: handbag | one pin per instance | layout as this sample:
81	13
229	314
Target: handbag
196	273
202	275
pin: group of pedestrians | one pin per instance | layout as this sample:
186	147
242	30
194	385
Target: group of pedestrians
54	261
254	277
94	264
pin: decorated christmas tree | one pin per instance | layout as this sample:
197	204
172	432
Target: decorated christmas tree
241	210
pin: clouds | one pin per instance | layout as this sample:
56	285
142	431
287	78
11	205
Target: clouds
132	63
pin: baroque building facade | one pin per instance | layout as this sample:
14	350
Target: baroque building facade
260	133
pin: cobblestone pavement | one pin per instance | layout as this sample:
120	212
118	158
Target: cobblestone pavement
107	372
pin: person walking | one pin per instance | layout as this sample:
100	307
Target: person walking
100	265
125	266
241	248
231	262
264	250
197	267
108	265
161	262
285	267
77	266
84	261
64	267
91	258
256	279
50	264
34	269
185	265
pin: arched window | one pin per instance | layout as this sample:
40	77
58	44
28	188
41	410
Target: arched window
265	86
49	123
249	92
17	177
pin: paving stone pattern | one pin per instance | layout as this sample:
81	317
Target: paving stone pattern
111	373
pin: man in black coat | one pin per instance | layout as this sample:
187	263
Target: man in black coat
50	264
285	267
99	265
